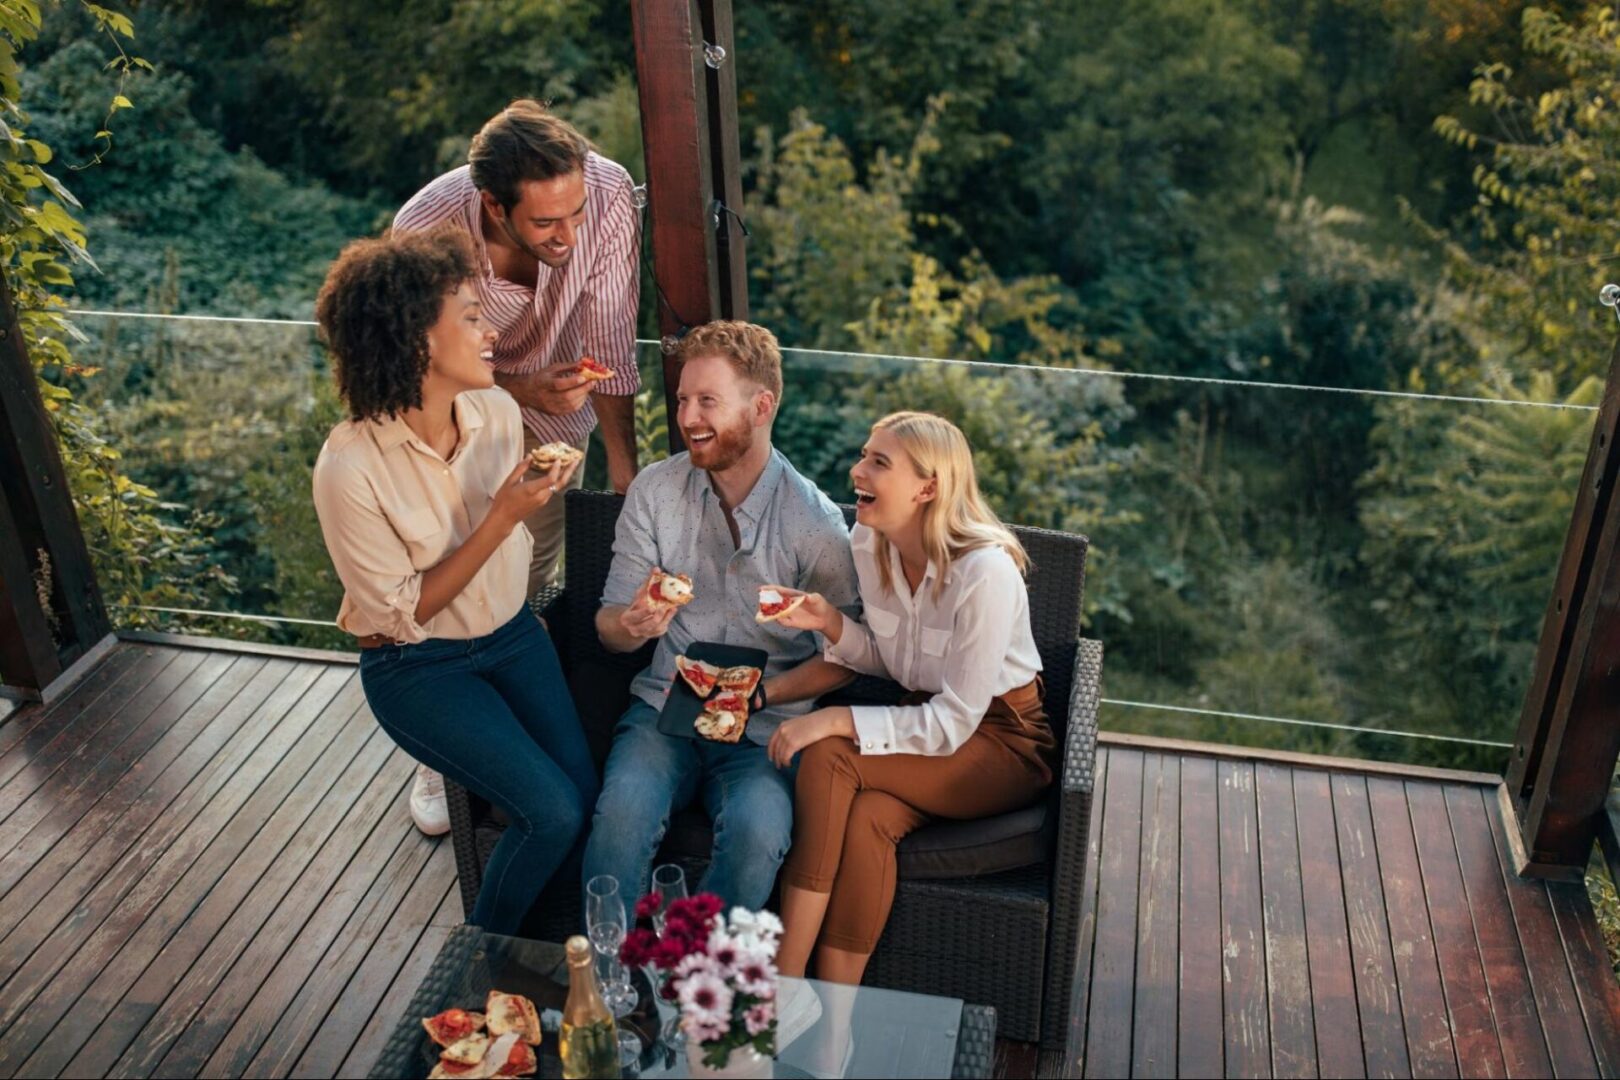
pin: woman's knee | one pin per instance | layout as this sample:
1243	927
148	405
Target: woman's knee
829	756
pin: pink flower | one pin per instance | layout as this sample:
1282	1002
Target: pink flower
759	1017
706	1003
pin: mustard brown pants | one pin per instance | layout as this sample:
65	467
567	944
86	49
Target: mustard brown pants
851	810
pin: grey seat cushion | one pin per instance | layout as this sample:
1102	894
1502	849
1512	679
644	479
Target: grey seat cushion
940	849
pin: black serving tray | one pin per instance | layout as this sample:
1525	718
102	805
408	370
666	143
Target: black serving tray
683	705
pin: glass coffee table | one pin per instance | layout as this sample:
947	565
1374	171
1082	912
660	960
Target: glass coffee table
828	1030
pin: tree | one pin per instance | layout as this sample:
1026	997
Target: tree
142	556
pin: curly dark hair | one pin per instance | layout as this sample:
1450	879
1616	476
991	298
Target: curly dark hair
379	300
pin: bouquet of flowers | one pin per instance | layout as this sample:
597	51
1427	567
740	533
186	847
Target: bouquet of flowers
720	969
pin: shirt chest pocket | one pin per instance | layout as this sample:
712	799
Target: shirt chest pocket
423	533
935	642
885	624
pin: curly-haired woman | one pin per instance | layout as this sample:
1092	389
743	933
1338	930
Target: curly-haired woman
421	498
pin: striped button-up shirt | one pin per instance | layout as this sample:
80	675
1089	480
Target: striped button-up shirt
585	308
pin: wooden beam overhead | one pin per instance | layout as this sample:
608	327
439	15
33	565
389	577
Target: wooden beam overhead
689	132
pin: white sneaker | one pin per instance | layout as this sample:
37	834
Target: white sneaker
428	808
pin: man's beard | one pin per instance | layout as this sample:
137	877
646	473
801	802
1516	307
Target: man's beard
729	446
556	262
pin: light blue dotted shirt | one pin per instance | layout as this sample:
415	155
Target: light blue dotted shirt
791	534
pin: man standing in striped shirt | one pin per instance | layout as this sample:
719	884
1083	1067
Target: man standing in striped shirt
558	239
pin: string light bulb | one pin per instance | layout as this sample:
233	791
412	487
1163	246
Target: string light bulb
714	55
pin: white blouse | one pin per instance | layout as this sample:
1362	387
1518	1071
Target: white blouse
970	644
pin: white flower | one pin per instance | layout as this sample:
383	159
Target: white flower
767	925
757	976
725	951
706	1003
697	962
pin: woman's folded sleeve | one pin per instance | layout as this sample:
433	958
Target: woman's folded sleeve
939	726
379	582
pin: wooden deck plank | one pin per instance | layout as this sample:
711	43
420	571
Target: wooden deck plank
92	904
1086	937
77	862
78	745
1378	998
391	1009
1153	1051
362	996
1513	1004
1462	974
1417	968
1327	934
85	695
142	918
243	1004
1568	1043
302	1020
247	894
1113	967
1247	1025
1201	1035
1288	968
75	819
1592	971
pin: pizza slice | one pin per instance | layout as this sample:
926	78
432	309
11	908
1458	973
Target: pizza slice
741	679
512	1013
773	605
554	453
594	369
449	1070
669	590
468	1051
700	676
452	1025
724	717
519	1061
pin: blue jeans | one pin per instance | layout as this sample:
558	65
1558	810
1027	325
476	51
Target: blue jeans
494	715
650	775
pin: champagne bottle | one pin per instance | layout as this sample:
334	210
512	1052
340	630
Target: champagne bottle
590	1039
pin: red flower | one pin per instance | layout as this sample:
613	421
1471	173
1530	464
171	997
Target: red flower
648	905
671	950
691	914
638	947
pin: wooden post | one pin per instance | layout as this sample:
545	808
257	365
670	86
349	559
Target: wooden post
51	612
1569	729
689	133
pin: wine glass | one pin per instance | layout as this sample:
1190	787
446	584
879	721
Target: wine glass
669	882
605	921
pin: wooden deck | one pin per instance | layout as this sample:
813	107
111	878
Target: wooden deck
1253	917
207	868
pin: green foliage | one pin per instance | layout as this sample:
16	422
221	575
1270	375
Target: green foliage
1548	195
145	552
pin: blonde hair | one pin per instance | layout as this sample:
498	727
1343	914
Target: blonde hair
957	520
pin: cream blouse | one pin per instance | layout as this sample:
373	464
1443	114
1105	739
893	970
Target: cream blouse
967	646
391	508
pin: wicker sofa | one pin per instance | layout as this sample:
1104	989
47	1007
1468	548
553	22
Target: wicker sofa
986	911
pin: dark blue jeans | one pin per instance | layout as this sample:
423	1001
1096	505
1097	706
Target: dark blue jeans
494	715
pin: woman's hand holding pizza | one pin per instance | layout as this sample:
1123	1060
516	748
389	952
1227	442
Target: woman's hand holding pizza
813	612
517	498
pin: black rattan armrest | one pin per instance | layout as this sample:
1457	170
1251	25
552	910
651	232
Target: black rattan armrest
1074	820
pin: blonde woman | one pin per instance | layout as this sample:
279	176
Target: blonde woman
946	615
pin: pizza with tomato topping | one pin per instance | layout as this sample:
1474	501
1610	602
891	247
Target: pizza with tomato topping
773	605
669	590
452	1025
513	1012
700	676
724	717
741	679
593	369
